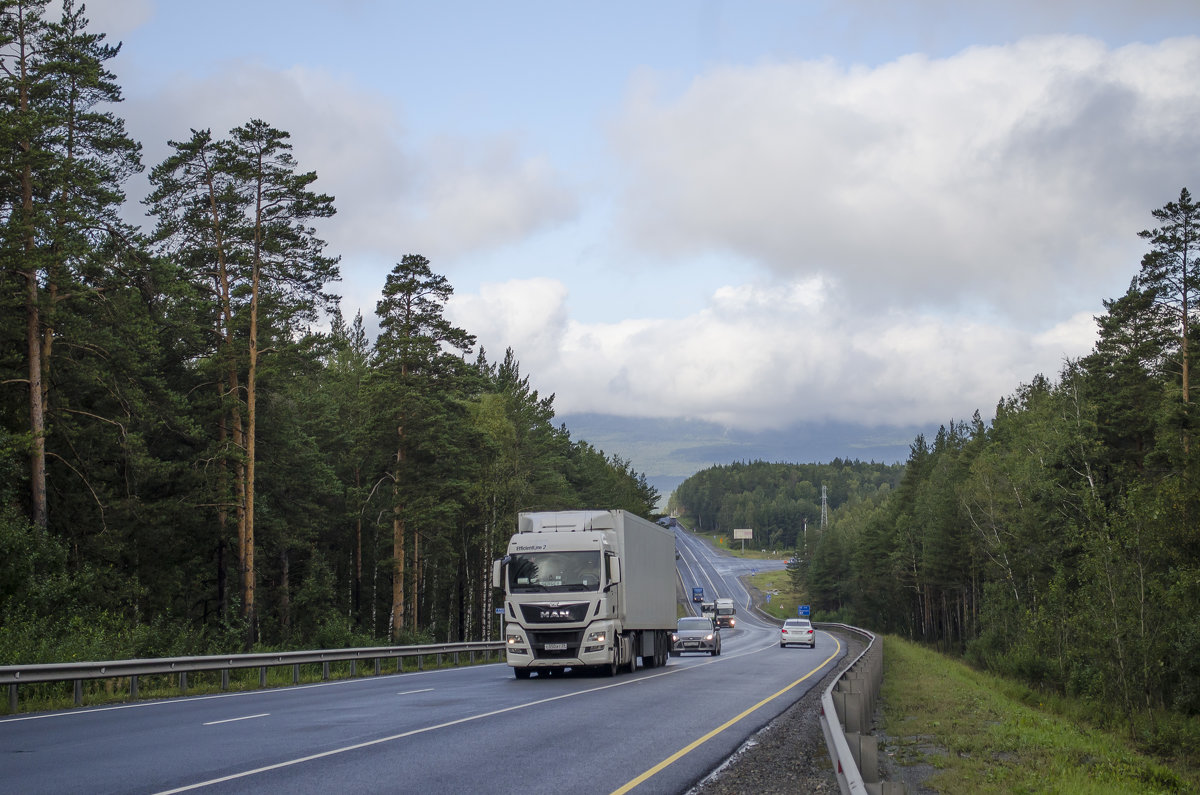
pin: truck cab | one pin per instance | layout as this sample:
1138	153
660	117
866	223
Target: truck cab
724	613
697	594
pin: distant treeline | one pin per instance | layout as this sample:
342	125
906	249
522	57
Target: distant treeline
778	500
187	462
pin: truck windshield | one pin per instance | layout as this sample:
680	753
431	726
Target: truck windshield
554	571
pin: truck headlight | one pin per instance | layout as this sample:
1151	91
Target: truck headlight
597	637
514	640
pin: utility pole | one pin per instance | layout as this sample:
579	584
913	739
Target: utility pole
824	510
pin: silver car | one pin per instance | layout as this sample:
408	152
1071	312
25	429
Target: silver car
696	634
798	630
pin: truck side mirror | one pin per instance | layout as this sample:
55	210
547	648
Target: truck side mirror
614	570
498	573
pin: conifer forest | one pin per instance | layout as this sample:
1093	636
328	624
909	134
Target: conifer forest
198	453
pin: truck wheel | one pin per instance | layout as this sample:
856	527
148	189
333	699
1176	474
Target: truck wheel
610	669
522	673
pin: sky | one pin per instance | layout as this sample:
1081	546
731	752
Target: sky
747	213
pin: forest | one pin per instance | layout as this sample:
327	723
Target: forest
1058	543
198	453
782	503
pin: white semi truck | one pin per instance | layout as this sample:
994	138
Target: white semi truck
587	588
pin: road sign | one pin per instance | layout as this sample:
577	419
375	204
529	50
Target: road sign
499	611
804	610
768	598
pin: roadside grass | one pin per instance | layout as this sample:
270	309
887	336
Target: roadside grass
784	598
984	734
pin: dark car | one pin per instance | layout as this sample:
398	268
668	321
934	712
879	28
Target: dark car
694	633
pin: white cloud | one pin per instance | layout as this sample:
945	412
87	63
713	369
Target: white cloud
394	196
756	358
115	18
1015	176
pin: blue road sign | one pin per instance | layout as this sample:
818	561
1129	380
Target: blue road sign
804	610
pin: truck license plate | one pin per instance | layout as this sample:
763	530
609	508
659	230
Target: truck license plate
556	647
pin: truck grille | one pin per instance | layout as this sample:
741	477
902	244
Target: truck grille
569	638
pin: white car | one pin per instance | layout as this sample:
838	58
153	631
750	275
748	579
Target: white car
797	630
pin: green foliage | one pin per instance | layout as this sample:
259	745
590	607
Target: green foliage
155	352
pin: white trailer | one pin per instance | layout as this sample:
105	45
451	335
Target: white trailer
587	588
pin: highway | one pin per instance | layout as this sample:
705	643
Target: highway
446	731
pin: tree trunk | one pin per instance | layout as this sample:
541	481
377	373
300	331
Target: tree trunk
37	411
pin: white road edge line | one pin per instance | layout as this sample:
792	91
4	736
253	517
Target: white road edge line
231	720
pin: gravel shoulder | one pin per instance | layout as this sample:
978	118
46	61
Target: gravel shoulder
789	754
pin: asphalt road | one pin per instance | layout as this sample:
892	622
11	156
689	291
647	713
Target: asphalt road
448	731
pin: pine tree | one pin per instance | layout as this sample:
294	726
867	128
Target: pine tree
417	371
66	159
235	214
1171	273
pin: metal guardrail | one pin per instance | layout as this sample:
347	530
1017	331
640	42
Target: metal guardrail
78	672
847	709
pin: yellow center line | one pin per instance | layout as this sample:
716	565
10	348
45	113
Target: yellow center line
687	749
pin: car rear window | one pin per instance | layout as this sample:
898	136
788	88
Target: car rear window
795	623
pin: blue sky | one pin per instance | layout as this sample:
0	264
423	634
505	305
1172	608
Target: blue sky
749	213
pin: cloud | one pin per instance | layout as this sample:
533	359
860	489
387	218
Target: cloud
115	18
394	195
766	357
1014	177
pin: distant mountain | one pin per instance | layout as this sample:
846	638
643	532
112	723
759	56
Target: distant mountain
669	451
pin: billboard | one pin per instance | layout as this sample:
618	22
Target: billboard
745	533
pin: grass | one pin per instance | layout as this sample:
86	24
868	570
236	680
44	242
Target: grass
983	734
784	598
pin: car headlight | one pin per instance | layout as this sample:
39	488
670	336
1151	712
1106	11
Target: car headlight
709	636
674	637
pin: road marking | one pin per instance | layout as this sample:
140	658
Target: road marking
231	720
687	749
410	692
411	733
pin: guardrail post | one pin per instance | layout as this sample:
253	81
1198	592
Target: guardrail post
133	688
183	682
224	679
325	670
353	668
79	692
262	676
12	699
295	673
378	663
